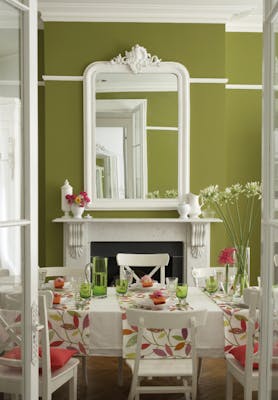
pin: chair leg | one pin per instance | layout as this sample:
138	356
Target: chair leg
132	389
200	363
120	371
84	370
73	386
229	386
247	392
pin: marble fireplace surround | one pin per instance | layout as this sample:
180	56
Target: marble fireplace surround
193	233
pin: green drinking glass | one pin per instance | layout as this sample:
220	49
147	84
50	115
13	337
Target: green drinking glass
181	293
211	285
85	290
121	286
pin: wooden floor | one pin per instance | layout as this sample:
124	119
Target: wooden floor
102	373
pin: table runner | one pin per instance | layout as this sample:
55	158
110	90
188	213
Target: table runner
235	319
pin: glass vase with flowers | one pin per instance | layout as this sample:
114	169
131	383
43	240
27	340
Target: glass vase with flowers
78	203
238	207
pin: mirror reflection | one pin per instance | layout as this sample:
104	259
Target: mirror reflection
136	136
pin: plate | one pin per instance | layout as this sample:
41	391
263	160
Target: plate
147	303
138	286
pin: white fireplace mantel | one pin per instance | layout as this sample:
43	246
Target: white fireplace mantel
78	233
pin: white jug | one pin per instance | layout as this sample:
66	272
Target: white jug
195	209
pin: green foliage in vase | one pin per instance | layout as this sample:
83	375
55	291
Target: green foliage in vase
239	208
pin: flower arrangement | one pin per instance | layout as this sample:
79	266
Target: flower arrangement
80	199
226	257
238	207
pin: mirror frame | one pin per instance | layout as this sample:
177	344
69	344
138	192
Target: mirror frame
140	62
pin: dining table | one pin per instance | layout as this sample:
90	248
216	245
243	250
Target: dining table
100	328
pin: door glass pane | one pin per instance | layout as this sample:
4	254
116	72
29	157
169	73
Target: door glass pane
11	173
10	114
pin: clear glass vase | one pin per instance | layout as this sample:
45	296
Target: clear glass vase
241	280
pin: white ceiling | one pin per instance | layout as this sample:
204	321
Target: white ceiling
237	15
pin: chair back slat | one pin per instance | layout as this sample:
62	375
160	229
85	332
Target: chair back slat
130	261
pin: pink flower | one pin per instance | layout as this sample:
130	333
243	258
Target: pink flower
226	256
81	199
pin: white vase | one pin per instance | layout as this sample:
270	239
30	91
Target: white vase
77	211
183	209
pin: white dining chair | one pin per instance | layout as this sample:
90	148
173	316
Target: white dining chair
49	381
183	368
246	374
69	273
201	274
132	262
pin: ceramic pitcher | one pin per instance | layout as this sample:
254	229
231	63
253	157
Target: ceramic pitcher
195	209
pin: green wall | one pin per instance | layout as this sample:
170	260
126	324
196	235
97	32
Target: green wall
225	124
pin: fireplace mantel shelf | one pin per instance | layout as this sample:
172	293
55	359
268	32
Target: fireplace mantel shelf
77	232
91	220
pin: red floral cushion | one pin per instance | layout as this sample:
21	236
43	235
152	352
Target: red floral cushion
58	356
239	353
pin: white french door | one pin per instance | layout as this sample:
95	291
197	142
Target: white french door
269	260
18	177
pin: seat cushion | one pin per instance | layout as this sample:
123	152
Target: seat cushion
58	356
239	353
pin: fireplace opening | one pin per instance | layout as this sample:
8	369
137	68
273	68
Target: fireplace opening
111	249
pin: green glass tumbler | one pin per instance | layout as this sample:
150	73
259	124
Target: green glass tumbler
99	276
181	293
121	286
85	290
211	285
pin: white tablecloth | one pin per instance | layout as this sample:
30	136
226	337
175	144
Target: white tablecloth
106	325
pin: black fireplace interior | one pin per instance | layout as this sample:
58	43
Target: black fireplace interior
111	249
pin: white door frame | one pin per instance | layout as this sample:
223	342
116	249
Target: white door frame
269	224
29	221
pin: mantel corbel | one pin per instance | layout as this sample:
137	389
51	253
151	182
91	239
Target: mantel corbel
198	231
76	239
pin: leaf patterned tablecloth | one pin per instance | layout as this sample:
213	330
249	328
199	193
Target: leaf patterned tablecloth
235	323
157	343
69	328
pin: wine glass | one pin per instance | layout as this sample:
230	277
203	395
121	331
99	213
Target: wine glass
171	285
181	293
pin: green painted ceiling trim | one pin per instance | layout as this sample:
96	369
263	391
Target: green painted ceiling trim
71	46
244	57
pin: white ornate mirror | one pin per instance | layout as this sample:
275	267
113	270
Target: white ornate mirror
136	132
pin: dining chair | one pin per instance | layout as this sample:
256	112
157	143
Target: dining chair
183	368
11	379
130	262
201	274
243	361
68	272
75	273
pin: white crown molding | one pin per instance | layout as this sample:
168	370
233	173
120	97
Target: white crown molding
110	83
243	87
172	11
